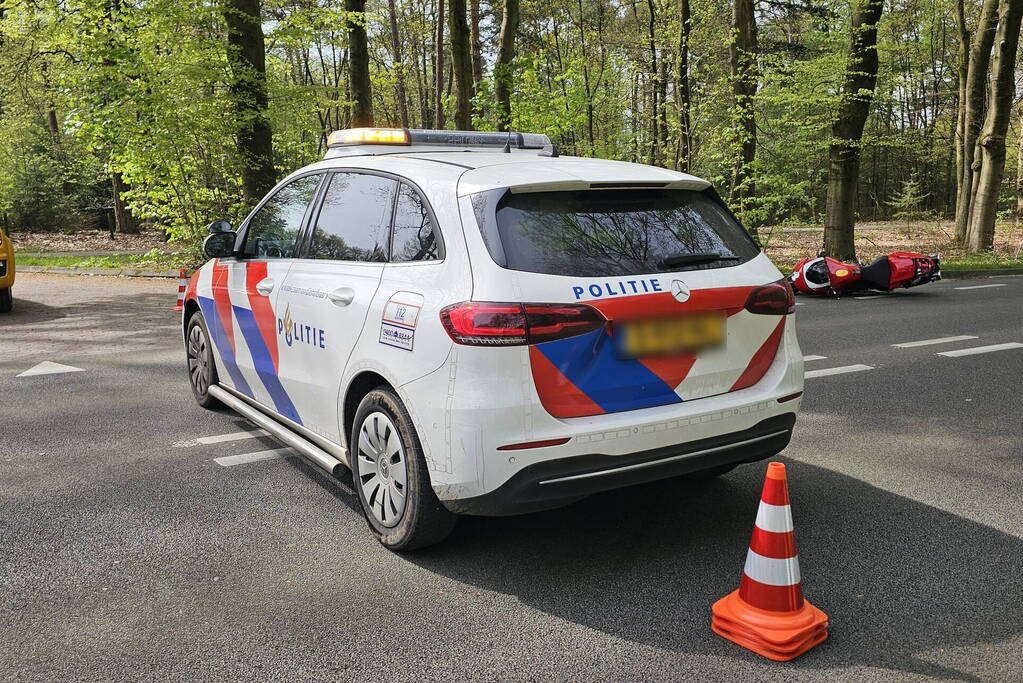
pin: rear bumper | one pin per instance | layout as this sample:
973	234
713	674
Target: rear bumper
554	483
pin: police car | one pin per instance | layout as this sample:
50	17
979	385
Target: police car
474	324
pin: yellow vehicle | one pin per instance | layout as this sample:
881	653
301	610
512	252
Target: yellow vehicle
6	272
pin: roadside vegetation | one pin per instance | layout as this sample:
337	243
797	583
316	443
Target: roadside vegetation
832	114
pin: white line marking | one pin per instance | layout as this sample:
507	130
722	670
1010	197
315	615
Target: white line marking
837	371
981	349
807	359
49	368
937	340
220	438
981	286
244	458
800	303
872	297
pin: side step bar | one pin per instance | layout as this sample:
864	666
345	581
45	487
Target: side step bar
313	453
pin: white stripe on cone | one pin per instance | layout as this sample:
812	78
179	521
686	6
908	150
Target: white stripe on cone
773	572
776	518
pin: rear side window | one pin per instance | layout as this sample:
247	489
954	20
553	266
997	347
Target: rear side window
597	233
414	236
354	223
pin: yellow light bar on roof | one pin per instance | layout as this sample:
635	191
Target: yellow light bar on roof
368	136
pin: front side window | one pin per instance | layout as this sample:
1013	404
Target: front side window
354	223
273	230
597	233
414	236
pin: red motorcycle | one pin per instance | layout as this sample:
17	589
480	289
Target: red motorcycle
825	276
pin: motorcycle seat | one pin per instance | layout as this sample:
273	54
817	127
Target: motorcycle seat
878	274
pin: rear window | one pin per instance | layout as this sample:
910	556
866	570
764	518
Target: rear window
596	233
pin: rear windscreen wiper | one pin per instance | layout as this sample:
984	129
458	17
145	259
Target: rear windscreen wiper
693	259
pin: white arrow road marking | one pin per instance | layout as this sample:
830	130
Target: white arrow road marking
49	368
981	349
244	458
220	438
981	286
938	340
837	371
807	359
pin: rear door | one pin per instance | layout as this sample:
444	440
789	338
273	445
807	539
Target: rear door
671	271
325	297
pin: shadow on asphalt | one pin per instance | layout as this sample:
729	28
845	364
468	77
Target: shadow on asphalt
897	578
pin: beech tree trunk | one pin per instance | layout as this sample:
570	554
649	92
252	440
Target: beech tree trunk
124	222
358	64
399	67
503	72
742	53
682	96
973	110
991	142
477	45
962	73
246	57
1019	166
439	71
461	63
847	131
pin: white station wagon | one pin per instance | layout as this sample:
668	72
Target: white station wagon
474	324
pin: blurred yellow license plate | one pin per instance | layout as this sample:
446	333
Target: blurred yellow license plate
661	336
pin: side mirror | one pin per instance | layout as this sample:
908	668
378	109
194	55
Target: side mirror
219	244
218	226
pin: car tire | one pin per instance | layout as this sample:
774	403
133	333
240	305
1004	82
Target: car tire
202	368
6	300
384	450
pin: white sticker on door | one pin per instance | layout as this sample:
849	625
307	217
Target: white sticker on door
398	326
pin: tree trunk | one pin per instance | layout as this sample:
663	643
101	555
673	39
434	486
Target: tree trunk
847	131
439	70
358	63
962	73
973	112
246	57
503	72
399	67
656	104
124	222
683	95
742	53
477	46
991	143
461	63
1019	166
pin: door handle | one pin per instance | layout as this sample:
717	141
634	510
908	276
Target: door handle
265	286
342	296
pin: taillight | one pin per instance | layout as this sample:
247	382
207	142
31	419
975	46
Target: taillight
776	298
481	323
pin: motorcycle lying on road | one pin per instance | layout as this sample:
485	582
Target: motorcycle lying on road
825	276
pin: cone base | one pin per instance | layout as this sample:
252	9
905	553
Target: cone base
780	636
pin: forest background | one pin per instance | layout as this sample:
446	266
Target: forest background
166	114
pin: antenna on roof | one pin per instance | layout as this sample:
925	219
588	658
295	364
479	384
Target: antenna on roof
507	145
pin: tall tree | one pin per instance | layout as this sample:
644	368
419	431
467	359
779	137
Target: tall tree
246	56
399	67
358	57
847	130
683	158
962	73
439	72
991	141
742	52
503	71
461	63
477	44
973	109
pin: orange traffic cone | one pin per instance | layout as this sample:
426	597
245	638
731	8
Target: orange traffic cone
768	613
182	284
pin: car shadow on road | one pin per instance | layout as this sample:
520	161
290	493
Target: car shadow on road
898	578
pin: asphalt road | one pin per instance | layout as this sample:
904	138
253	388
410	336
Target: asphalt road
128	552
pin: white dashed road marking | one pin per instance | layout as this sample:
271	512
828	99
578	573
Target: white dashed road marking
807	359
981	349
837	371
220	438
244	458
872	297
49	368
938	340
981	286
